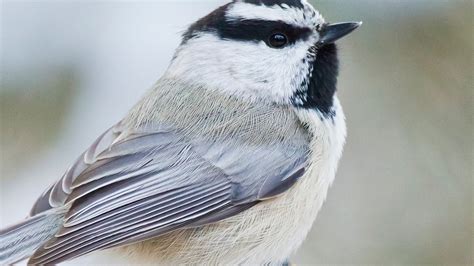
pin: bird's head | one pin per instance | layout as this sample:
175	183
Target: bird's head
277	51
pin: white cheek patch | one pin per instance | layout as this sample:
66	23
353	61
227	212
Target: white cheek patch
307	17
249	70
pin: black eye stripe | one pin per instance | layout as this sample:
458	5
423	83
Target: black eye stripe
244	29
260	30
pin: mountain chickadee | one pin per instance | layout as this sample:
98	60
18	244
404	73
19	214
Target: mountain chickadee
226	160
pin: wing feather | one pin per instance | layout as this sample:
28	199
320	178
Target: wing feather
155	217
133	186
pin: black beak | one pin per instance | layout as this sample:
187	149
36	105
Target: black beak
330	33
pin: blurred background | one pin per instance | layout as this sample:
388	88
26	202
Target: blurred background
403	194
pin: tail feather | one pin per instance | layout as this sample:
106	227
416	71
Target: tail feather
20	241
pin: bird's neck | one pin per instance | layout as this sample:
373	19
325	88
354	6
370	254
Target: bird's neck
198	110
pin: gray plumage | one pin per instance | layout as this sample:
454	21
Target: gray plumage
21	240
143	178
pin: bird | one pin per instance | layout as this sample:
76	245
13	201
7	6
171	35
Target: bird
226	160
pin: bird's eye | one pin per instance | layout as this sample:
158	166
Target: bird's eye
277	40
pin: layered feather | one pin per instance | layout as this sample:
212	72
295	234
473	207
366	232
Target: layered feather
144	178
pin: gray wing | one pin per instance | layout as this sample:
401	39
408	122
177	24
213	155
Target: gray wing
133	186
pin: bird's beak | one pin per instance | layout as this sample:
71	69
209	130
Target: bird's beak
329	33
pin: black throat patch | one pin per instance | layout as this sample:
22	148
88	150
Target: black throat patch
320	86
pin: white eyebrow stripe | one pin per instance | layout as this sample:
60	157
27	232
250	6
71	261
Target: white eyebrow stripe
294	16
241	10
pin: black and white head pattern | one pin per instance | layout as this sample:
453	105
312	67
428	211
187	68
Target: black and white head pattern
261	50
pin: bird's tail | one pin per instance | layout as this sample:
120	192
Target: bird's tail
20	241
